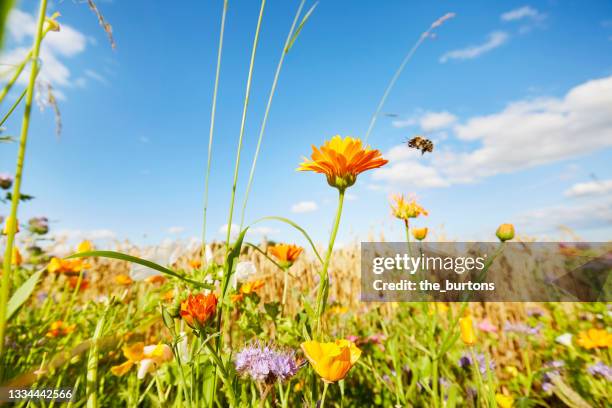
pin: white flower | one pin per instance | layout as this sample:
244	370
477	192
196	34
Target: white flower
244	271
209	255
565	339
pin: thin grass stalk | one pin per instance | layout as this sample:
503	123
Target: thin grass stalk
268	105
212	126
12	225
9	85
243	123
324	277
12	109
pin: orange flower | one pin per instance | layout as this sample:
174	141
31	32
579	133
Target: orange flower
60	328
16	259
404	209
505	232
594	338
155	279
69	266
419	233
247	289
74	280
466	327
196	310
168	296
286	254
342	160
195	263
332	361
123	280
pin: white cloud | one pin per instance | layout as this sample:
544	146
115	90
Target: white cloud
525	134
95	76
263	231
428	121
521	13
495	39
304	206
234	230
590	188
175	230
68	42
77	235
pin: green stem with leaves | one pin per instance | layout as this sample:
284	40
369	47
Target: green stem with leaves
324	277
212	127
12	225
242	125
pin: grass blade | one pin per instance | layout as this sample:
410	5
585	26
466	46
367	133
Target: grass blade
22	294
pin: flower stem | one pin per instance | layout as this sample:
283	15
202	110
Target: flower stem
324	278
212	127
286	272
12	227
326	384
16	75
242	125
269	104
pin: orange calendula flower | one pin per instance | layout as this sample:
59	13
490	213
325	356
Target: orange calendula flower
594	338
286	254
123	280
342	160
149	358
505	232
16	259
404	209
69	266
59	328
196	310
247	289
195	263
331	361
419	233
155	279
468	335
73	281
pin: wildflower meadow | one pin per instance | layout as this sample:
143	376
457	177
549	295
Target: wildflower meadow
241	320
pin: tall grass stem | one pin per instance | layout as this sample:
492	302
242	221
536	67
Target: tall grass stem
12	225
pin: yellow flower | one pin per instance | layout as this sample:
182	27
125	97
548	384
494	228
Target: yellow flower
505	232
342	160
404	209
7	222
286	254
419	233
85	246
16	259
59	328
339	310
468	336
331	361
594	338
149	358
123	280
68	266
504	401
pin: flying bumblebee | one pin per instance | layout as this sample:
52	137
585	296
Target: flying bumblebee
422	144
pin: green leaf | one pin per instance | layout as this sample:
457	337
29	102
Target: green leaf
22	294
229	261
299	28
255	247
140	261
297	227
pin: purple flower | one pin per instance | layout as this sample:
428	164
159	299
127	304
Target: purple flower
600	369
466	361
522	328
6	181
266	363
552	369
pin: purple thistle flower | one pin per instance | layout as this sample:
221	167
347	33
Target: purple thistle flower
600	369
522	328
266	363
466	361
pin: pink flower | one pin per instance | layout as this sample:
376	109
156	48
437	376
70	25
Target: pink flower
487	326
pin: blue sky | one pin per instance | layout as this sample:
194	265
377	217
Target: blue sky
517	97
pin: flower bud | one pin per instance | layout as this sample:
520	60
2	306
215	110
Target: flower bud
6	181
505	232
466	327
419	233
